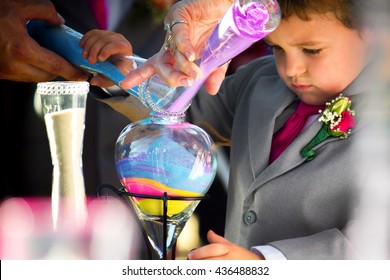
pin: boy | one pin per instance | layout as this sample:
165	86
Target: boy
281	205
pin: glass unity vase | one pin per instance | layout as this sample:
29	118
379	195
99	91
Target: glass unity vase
166	165
64	105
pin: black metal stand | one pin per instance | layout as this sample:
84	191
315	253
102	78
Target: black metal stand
165	198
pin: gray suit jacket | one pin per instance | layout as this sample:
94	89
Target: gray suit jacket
301	208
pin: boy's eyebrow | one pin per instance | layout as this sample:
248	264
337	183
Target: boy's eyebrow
304	43
307	43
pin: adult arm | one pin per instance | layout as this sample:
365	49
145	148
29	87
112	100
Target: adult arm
23	59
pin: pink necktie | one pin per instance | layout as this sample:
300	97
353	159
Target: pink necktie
99	11
285	135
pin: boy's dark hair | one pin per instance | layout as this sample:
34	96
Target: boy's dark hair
348	12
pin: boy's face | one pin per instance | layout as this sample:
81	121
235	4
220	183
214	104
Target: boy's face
318	59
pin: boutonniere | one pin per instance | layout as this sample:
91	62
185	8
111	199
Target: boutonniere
338	119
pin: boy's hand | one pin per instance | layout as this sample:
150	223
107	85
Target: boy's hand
100	45
221	249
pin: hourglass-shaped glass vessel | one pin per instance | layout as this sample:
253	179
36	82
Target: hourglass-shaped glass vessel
164	155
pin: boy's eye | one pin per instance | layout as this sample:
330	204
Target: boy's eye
312	51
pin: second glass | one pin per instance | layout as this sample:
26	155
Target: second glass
64	105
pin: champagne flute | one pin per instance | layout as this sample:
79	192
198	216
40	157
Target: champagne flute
64	105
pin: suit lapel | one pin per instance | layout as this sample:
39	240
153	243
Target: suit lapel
289	159
267	113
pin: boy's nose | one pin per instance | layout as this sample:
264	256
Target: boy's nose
294	66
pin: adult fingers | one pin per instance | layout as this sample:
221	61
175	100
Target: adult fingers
168	70
181	31
140	74
50	62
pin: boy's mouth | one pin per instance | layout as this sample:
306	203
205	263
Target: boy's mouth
301	86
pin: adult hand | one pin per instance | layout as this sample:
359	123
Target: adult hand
22	58
221	249
176	65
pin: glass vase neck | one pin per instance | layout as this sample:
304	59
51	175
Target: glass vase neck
166	118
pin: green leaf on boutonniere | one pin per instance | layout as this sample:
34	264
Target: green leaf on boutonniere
338	121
